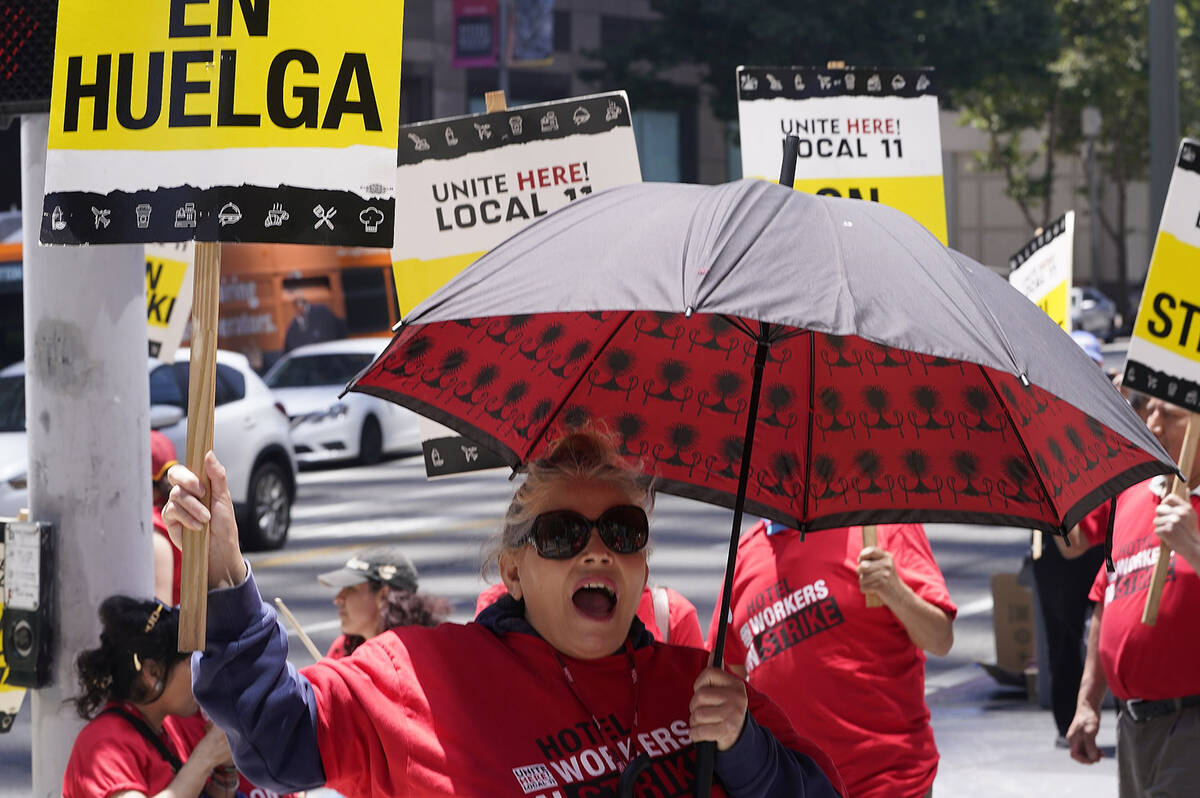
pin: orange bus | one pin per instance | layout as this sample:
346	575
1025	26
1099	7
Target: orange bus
275	297
12	311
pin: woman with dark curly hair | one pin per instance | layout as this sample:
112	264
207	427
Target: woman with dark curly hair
378	591
145	735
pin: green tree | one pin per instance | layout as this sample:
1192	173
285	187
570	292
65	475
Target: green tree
966	41
1104	63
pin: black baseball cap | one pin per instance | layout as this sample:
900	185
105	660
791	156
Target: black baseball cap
386	564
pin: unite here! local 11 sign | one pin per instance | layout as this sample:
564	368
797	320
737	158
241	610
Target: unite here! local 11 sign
472	181
223	120
1042	269
1164	350
865	133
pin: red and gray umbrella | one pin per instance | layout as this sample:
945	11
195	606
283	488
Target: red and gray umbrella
818	361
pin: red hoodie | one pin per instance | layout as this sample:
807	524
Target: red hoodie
405	715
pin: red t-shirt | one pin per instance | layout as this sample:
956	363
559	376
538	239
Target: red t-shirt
683	624
1140	661
1094	525
111	756
160	527
494	715
848	677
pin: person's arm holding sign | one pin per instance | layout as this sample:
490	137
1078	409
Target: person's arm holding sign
1176	525
243	680
929	627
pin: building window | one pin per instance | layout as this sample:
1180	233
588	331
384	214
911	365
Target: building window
562	31
416	95
616	31
657	135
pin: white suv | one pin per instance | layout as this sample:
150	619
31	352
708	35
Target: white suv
251	436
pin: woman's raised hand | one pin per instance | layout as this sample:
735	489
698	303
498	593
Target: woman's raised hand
185	510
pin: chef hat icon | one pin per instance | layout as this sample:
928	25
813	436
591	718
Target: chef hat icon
371	217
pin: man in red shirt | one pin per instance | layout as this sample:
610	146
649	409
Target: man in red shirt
1152	670
849	677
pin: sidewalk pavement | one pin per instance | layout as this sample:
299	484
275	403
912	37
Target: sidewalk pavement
994	744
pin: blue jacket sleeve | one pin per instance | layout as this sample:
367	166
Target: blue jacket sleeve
758	764
245	684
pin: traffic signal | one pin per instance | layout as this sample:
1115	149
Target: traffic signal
26	55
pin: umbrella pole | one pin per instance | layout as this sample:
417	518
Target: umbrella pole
706	752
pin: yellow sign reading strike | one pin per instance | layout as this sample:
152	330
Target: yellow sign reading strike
1164	351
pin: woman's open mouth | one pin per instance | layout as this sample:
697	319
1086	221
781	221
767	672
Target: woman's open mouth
596	600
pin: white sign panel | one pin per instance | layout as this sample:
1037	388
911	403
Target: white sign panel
864	133
1042	269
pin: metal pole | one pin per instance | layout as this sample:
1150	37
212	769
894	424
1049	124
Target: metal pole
88	418
1094	222
1164	107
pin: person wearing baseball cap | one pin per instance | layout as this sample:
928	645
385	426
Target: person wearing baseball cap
168	560
377	590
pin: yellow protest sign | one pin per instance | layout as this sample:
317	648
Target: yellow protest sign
168	296
1042	269
469	182
864	133
223	120
1164	350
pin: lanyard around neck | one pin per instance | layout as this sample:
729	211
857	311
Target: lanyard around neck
625	757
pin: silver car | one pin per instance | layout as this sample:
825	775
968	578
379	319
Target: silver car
1093	311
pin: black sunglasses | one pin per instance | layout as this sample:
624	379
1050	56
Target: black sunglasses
561	534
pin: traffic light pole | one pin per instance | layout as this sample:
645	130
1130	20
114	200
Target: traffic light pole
1164	107
87	410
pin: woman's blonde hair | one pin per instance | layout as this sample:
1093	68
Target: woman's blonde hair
585	453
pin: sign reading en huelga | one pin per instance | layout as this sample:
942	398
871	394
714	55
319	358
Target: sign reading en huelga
168	295
1164	350
867	133
1042	269
216	120
472	181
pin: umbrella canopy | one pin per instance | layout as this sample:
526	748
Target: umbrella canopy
900	380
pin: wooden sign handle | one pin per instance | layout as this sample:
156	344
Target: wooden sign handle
1180	488
303	635
495	101
202	380
870	535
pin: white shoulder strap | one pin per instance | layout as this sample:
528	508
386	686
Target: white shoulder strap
662	612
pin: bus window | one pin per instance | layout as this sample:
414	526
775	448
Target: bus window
365	295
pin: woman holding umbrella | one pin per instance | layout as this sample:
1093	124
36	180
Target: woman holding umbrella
556	685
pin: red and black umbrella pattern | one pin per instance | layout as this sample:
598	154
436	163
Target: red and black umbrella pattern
849	431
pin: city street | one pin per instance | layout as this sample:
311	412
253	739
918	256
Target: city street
993	742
